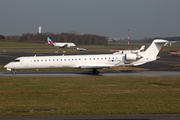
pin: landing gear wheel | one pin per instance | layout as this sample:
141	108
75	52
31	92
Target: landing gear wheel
14	72
95	72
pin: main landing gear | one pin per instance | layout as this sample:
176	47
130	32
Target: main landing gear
95	72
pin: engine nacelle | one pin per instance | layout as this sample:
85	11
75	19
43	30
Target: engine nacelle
130	57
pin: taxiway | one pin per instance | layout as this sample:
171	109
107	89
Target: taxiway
90	74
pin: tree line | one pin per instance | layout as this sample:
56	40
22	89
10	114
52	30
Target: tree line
86	39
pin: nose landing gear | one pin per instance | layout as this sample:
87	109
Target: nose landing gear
14	71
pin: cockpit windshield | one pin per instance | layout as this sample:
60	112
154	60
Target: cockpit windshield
16	60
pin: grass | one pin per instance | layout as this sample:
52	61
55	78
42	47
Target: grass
89	95
9	47
21	45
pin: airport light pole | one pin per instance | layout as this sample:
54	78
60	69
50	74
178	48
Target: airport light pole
128	39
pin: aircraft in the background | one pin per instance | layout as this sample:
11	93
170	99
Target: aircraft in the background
81	49
170	42
94	62
129	51
61	45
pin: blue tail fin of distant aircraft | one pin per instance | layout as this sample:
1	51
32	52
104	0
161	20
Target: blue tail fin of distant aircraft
49	41
48	38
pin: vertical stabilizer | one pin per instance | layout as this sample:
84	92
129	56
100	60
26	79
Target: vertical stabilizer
49	41
155	47
142	48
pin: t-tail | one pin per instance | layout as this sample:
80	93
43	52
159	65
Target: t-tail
50	42
151	52
155	47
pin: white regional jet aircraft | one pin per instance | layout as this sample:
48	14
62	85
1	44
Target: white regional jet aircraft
61	45
97	61
129	51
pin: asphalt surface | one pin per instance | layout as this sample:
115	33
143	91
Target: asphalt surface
97	117
90	74
164	63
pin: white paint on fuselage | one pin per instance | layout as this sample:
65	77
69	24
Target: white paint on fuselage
71	61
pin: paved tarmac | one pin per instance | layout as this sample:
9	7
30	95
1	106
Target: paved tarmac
90	74
98	117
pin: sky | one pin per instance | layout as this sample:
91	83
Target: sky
110	18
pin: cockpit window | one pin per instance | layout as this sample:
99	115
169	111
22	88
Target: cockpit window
16	60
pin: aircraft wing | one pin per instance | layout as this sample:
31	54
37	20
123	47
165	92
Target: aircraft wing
65	45
139	63
95	66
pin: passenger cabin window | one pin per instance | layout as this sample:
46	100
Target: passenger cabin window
16	60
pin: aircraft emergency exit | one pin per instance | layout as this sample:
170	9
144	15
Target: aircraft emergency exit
94	62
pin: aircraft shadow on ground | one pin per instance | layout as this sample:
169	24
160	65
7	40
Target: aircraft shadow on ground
68	73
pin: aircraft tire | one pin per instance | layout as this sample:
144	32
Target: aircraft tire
95	72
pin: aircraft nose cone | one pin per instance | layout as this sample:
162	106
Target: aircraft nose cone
7	65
